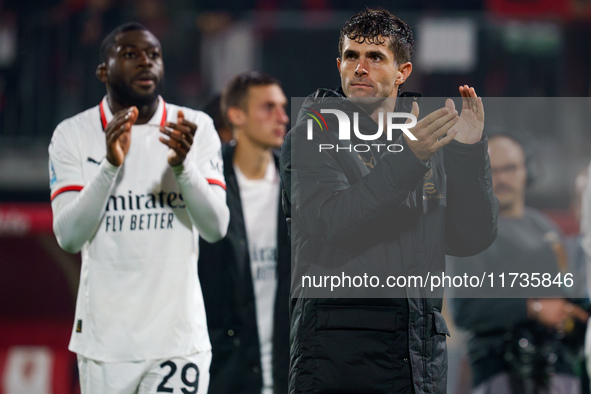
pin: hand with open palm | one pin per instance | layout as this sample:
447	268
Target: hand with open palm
471	123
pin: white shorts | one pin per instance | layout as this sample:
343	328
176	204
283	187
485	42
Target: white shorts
187	375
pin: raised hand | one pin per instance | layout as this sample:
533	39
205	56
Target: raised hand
471	122
118	135
431	131
180	138
553	312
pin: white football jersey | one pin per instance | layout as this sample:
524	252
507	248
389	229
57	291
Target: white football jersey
139	296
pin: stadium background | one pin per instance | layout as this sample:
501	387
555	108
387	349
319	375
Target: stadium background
49	51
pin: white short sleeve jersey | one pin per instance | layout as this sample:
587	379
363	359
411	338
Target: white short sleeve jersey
139	296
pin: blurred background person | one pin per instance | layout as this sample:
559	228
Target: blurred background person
577	265
586	246
519	345
574	241
245	277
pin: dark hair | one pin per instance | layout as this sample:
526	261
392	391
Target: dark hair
376	26
236	90
213	109
109	40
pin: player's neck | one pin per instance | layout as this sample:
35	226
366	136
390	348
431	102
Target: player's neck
146	111
251	159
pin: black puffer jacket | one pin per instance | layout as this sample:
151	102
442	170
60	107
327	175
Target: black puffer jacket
381	214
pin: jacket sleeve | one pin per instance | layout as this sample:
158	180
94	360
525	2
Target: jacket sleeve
472	208
326	199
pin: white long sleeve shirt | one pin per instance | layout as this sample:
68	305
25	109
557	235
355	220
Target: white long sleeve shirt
137	226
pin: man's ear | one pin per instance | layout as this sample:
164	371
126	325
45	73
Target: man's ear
101	72
339	64
403	73
236	116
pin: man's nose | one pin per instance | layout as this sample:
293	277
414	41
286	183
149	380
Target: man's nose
282	117
361	68
144	59
499	177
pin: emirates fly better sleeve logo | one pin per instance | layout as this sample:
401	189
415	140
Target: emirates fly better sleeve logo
394	121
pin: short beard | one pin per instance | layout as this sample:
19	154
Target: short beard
127	97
